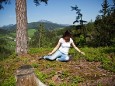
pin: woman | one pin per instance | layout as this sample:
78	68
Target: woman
60	52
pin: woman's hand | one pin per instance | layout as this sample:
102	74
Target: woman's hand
82	53
49	54
77	49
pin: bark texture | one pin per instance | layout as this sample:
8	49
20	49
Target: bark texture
21	31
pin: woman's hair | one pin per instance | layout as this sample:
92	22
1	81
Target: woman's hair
66	34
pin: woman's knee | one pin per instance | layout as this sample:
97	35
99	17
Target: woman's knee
67	58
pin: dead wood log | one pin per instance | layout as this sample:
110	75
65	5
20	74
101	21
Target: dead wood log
25	76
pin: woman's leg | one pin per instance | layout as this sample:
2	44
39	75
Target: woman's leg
53	56
63	58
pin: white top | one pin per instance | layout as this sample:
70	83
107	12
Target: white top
65	46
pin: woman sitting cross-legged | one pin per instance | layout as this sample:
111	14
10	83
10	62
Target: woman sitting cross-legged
60	52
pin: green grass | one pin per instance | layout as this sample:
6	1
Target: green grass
9	81
13	34
31	32
45	70
104	55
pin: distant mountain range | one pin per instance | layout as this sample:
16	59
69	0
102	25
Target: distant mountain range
34	25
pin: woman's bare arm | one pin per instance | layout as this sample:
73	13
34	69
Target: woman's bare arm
77	48
54	50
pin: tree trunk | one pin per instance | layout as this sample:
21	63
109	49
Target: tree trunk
25	77
21	32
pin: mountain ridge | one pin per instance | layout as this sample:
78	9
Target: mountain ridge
34	25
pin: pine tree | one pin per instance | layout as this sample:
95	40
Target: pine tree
39	38
105	26
105	8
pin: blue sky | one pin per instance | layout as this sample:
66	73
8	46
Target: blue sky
57	11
